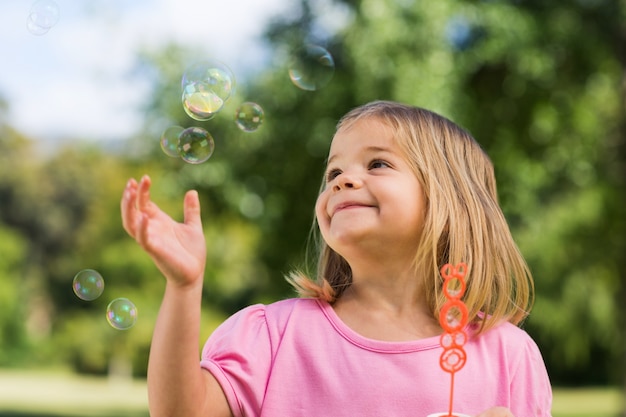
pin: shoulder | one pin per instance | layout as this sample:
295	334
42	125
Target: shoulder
512	345
520	361
281	313
241	352
292	305
507	336
271	316
260	328
276	309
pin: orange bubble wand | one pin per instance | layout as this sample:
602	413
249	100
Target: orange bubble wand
453	318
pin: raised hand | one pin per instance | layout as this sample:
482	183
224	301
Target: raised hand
177	249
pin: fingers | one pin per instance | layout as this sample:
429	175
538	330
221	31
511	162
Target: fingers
192	209
128	206
137	208
135	201
143	194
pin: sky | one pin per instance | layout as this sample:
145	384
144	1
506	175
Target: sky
72	82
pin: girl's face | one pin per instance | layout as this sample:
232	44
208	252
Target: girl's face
372	200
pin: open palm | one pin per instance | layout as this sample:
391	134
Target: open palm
177	249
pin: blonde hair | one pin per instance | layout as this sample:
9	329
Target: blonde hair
463	221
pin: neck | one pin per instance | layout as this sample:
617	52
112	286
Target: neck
387	307
395	284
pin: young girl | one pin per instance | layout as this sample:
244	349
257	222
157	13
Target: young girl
405	192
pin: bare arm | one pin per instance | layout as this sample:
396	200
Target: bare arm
177	385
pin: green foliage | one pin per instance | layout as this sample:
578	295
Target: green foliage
12	314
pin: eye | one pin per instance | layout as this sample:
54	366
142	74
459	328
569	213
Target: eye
378	163
332	174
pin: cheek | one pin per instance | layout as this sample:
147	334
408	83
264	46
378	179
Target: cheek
320	210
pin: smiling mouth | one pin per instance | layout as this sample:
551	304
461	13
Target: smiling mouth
349	206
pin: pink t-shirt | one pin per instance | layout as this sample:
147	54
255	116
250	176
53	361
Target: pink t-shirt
296	358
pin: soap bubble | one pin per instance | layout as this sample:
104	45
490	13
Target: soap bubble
199	104
43	15
121	313
311	67
206	87
88	284
169	140
195	145
249	117
36	29
217	76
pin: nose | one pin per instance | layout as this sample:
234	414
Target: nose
346	180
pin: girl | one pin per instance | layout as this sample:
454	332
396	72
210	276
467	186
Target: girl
405	192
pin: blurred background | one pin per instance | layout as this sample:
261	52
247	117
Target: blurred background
539	83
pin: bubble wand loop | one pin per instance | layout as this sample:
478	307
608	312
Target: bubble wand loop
453	318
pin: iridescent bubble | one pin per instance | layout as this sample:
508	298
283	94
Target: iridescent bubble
121	314
43	15
169	140
206	87
311	67
195	145
88	284
249	117
35	29
200	104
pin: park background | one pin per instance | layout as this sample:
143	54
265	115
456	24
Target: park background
539	83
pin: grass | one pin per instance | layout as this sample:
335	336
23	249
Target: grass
47	394
588	402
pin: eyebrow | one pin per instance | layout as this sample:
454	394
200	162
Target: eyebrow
369	149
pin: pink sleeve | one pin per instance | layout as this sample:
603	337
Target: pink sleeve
531	392
238	354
